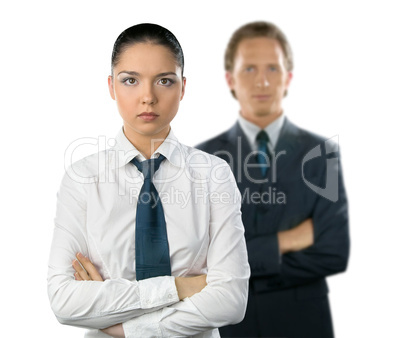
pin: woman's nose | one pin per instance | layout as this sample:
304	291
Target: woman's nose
148	95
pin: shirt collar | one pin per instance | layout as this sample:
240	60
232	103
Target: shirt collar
124	151
251	130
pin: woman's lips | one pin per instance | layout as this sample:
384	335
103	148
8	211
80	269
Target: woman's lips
146	116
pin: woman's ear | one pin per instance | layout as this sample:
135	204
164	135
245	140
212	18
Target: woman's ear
183	89
111	88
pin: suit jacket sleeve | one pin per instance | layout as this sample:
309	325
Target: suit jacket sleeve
329	253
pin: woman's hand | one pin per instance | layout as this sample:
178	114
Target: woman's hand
116	331
87	271
188	286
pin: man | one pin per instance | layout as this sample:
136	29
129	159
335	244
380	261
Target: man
294	202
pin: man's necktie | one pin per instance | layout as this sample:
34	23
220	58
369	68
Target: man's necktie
263	152
151	244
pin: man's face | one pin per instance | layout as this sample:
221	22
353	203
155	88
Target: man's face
259	79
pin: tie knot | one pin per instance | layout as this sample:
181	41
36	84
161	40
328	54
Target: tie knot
262	136
148	167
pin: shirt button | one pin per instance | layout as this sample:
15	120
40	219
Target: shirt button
170	296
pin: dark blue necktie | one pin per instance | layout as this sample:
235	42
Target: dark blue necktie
151	244
263	152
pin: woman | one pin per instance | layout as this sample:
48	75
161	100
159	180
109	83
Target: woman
199	280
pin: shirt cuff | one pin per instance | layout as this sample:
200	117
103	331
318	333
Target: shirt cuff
264	255
143	326
158	291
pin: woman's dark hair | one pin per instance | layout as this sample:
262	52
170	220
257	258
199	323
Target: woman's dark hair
147	33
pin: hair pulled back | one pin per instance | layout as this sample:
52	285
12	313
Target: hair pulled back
147	33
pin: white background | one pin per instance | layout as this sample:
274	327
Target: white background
55	59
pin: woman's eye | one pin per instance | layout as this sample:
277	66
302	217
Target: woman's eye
249	69
165	82
273	69
130	81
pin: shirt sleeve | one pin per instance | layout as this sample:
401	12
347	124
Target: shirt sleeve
94	304
223	301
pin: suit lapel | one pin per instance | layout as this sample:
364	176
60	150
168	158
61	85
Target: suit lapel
286	150
245	170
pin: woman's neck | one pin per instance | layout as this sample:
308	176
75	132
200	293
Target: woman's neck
146	144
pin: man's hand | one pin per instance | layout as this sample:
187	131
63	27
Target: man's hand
87	271
188	286
297	238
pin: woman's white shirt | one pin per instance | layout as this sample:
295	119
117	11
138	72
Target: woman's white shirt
95	215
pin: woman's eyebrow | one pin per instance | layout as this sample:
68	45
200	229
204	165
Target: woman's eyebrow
166	74
133	73
129	73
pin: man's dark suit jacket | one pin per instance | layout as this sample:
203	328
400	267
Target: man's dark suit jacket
288	294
